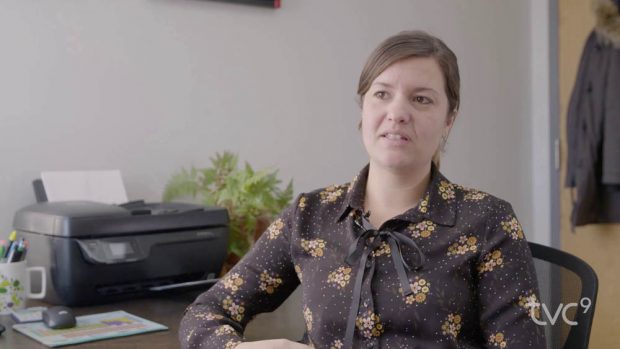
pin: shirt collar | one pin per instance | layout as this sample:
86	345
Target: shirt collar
438	203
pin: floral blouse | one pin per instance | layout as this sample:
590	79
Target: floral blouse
453	272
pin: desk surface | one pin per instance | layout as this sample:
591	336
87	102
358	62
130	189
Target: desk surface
166	310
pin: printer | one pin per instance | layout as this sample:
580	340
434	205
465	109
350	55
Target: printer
95	253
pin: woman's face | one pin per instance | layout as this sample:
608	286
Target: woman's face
405	114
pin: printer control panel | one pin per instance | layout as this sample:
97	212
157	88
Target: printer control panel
122	249
111	251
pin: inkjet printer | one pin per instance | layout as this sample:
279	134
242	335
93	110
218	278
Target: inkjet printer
96	253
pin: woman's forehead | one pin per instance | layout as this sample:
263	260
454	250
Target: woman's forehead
416	73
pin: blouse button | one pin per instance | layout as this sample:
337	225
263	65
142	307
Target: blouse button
368	264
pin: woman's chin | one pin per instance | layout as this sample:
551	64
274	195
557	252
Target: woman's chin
396	163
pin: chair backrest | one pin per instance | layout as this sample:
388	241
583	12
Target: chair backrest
578	334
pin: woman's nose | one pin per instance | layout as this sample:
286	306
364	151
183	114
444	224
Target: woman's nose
398	111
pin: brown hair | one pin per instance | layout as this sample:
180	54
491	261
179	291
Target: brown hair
408	44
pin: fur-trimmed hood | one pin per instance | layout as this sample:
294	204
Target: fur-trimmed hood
608	21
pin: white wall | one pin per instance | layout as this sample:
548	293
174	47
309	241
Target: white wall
153	85
542	160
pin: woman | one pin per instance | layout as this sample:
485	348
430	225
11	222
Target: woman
398	258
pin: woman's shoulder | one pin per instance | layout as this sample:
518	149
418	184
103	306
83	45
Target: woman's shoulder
481	199
480	207
330	194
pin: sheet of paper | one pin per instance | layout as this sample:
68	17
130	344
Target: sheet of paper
100	186
90	328
28	314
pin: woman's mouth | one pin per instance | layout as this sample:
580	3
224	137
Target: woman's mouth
395	136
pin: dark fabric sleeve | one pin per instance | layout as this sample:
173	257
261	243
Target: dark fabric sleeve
611	126
574	115
259	283
507	285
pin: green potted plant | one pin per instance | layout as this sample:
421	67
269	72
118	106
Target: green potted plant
252	198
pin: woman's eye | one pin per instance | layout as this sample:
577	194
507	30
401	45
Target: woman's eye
422	100
380	94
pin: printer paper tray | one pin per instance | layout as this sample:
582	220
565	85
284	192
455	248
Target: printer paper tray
184	285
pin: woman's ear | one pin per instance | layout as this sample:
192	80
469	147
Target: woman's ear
451	117
450	122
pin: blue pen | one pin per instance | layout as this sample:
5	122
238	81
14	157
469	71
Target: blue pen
10	252
18	251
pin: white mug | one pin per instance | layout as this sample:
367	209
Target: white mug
15	283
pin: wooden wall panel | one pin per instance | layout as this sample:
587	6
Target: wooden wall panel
599	245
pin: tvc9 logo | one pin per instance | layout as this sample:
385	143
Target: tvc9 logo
585	303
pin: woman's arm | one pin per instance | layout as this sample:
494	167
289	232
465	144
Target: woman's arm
507	285
260	282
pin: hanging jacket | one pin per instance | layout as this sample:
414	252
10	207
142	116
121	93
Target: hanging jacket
593	123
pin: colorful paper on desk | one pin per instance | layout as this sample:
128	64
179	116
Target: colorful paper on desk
31	314
90	328
99	186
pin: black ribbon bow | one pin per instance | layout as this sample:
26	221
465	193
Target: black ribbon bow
359	251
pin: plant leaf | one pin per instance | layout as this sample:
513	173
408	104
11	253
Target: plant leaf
183	183
246	193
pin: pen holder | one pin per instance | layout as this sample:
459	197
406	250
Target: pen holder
15	285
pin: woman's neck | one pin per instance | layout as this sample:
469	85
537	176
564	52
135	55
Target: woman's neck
392	192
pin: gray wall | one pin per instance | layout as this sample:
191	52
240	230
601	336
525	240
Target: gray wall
153	85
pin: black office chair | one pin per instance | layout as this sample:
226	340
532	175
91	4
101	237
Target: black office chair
563	269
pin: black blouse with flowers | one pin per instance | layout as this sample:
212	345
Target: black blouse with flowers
453	272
